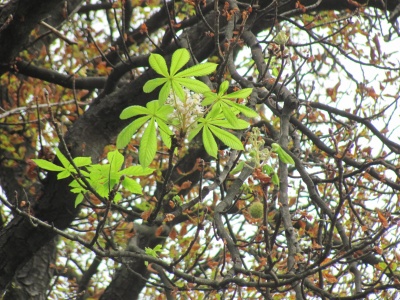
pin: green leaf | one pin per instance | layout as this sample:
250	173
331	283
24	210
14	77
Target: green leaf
136	171
46	165
248	112
239	124
227	138
152	84
195	131
198	70
164	111
158	64
79	199
148	144
65	162
82	161
163	126
132	186
244	93
63	174
178	90
283	156
229	115
223	88
133	111
193	84
209	99
179	59
275	179
238	168
126	134
267	169
164	92
115	160
209	142
152	107
166	138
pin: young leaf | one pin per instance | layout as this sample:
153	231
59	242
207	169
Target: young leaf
223	88
133	111
239	124
152	84
193	84
132	186
164	92
148	144
65	162
82	161
158	64
126	134
48	166
248	112
238	168
198	70
227	138
195	131
244	93
63	174
179	59
283	156
115	159
79	199
178	90
209	142
136	171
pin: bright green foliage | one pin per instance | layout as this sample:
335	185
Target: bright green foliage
283	156
67	169
153	252
228	107
211	126
154	113
223	112
175	81
102	178
267	169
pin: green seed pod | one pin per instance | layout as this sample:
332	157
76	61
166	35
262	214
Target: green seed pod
256	210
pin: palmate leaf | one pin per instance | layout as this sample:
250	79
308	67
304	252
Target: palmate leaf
115	159
177	88
209	142
193	84
132	186
223	88
126	134
248	112
136	171
179	59
239	124
195	131
198	70
79	199
244	93
47	165
158	64
227	138
164	92
152	84
148	144
133	111
283	156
